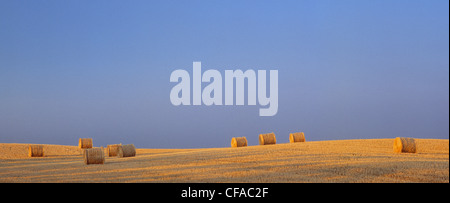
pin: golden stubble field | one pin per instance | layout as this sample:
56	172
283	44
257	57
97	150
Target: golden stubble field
369	160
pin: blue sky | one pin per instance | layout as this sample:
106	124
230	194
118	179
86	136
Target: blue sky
349	69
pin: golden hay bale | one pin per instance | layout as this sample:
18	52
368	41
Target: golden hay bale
238	142
404	144
94	156
36	151
128	150
297	137
85	143
269	138
114	150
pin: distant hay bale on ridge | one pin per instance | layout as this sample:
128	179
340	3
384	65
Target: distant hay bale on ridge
405	145
85	143
269	138
129	150
238	142
36	150
297	137
94	156
114	150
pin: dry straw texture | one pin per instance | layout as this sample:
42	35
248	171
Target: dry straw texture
94	156
404	144
238	142
342	161
85	143
297	137
36	151
269	138
114	150
128	150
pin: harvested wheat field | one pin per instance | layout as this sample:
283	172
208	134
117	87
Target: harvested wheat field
370	160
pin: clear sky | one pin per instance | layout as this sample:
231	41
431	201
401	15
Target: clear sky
348	69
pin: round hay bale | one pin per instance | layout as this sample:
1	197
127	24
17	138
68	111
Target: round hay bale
85	143
238	142
129	150
404	144
269	138
94	156
297	137
36	151
114	150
